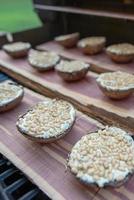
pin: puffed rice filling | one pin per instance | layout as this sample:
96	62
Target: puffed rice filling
48	119
9	91
43	59
103	157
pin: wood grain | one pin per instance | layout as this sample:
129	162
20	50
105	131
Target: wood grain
85	94
124	192
99	63
45	164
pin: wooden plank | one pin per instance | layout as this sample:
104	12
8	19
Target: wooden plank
85	95
45	164
99	63
76	10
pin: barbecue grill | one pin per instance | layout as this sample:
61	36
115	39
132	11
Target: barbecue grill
13	183
113	19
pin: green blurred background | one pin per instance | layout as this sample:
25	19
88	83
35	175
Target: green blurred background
16	15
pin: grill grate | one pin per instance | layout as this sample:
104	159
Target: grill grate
13	183
15	186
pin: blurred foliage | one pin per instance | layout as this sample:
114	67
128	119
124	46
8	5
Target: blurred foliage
16	15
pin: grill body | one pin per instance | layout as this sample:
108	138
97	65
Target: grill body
112	18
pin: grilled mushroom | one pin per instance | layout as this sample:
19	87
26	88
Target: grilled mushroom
43	61
72	70
92	45
68	41
11	95
103	158
17	49
121	53
116	85
47	121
